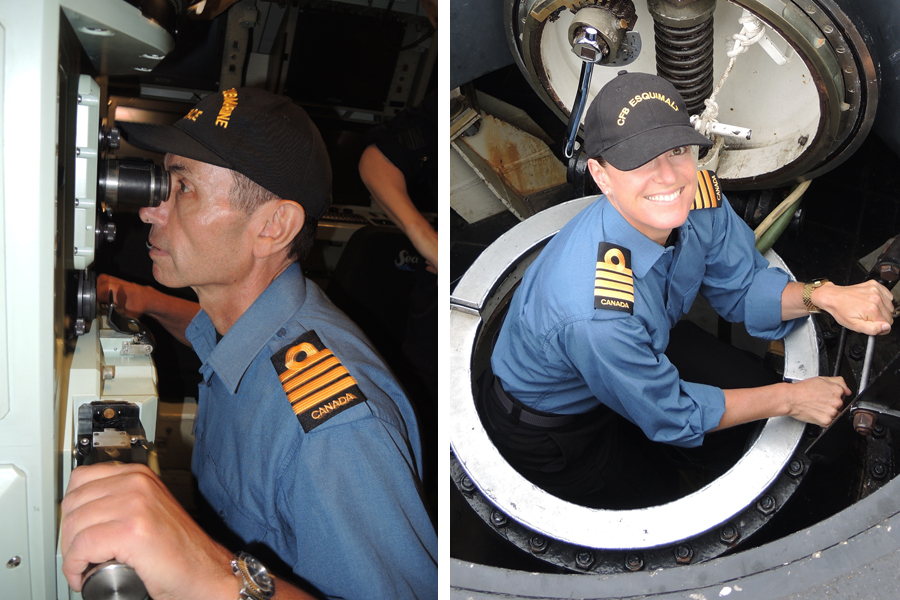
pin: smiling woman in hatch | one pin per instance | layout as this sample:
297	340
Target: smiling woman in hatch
599	392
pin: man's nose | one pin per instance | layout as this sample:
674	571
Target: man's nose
153	214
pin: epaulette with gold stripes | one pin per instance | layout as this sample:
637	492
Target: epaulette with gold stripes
614	282
709	194
317	385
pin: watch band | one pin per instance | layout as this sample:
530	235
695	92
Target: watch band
256	581
807	294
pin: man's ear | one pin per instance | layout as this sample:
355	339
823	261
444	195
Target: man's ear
598	173
284	220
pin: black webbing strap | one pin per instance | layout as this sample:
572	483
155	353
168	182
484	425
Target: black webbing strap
522	414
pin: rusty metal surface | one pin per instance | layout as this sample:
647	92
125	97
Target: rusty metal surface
514	164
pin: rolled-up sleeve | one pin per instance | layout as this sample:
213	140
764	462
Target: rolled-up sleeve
762	310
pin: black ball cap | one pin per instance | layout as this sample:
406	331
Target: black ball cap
635	118
261	135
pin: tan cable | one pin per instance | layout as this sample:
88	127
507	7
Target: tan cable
780	209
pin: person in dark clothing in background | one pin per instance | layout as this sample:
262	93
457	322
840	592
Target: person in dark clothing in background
400	169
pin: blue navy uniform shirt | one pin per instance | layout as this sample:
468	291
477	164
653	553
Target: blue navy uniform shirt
336	494
557	353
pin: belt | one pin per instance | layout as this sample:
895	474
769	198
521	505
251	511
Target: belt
525	415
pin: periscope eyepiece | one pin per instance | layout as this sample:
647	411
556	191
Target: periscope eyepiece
132	184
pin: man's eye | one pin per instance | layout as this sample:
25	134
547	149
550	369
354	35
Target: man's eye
184	189
678	151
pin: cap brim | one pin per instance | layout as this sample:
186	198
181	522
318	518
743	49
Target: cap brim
168	139
641	149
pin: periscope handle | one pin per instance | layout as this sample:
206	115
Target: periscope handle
112	581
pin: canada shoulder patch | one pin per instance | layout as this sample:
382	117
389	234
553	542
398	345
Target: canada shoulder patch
614	282
317	385
709	194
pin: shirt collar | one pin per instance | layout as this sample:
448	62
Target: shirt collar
232	356
644	251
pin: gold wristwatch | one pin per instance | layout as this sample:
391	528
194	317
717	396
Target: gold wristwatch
807	294
257	583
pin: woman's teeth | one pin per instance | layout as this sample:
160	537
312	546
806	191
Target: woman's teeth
666	197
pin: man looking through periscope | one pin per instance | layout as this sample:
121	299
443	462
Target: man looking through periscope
598	388
305	446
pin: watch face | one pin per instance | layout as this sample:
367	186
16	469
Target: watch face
258	574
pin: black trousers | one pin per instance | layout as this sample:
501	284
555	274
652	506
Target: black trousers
602	460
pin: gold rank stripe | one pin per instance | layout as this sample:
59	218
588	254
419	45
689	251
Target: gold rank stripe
707	195
317	383
612	285
613	269
323	395
613	276
613	279
305	363
312	373
614	282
